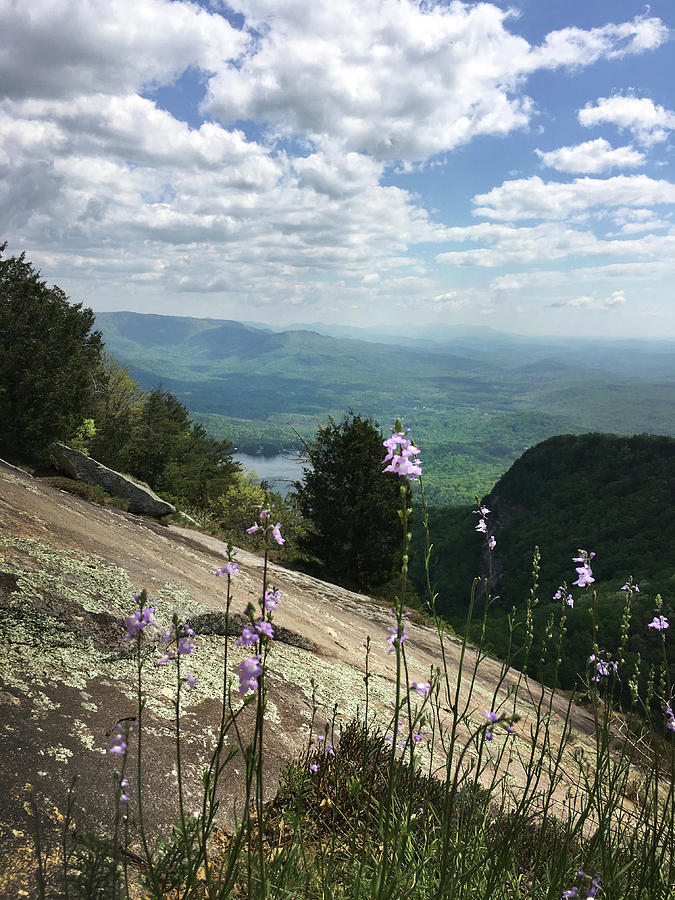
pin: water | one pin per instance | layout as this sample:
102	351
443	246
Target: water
280	470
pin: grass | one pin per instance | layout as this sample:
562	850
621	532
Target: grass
363	813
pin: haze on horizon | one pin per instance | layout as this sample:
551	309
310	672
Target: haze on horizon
381	163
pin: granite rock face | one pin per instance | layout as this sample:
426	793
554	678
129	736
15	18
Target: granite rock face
84	468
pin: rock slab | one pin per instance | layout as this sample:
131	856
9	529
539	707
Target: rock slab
84	468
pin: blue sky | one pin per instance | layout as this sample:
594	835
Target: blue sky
368	162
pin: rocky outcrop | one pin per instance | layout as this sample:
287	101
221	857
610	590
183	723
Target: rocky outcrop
84	468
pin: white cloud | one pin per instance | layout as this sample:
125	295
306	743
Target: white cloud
647	121
508	245
399	79
532	198
54	49
591	157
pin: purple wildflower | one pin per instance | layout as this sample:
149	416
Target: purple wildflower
120	739
396	636
139	621
124	794
400	456
250	671
165	659
482	526
191	680
252	530
314	768
422	687
276	534
492	543
272	599
417	737
230	568
330	749
603	664
265	628
670	724
248	636
659	623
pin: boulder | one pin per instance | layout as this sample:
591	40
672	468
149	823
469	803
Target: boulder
84	468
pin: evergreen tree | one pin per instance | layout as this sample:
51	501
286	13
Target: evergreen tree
175	455
350	506
48	353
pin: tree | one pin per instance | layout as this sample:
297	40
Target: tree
175	455
48	353
351	506
117	397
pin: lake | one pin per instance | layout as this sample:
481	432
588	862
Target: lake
280	470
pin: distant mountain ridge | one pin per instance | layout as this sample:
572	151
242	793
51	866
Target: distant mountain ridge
475	403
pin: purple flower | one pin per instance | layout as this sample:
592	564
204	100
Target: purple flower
252	530
585	576
659	623
400	456
482	526
422	688
571	893
510	729
272	599
165	659
191	680
670	724
603	664
569	600
120	739
417	737
265	628
264	514
230	568
124	795
396	636
330	749
276	534
482	511
184	646
248	636
314	768
492	543
249	672
139	620
491	716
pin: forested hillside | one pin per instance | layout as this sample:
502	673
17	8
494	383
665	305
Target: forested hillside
599	492
252	386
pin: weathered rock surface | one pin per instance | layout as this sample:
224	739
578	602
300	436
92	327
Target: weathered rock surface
68	570
82	467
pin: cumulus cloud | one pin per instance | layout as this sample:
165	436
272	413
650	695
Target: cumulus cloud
648	122
53	49
396	78
591	157
540	243
533	198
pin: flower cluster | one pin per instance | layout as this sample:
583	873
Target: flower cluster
139	621
603	665
670	717
400	456
264	524
583	570
590	885
249	672
184	646
398	634
629	586
120	738
271	599
230	568
482	526
562	594
251	634
492	718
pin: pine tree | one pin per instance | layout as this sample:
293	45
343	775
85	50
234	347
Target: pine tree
350	506
48	353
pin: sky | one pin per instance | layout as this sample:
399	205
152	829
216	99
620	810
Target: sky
360	162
